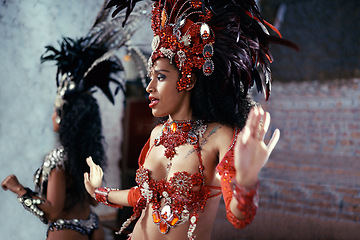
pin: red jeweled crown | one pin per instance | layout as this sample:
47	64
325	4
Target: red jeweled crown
182	35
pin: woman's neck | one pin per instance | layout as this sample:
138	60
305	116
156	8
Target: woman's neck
181	117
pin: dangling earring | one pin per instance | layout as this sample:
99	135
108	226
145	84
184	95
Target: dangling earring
58	120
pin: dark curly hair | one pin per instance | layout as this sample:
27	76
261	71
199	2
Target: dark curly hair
240	44
81	136
214	102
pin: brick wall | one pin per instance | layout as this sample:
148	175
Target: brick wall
313	174
310	187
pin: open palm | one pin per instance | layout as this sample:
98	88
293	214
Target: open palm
94	179
251	152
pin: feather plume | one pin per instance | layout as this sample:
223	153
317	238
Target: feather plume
241	41
91	60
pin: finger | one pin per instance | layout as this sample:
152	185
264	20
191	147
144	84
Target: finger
266	121
254	126
100	171
244	136
5	182
92	165
273	141
86	177
250	118
89	161
264	125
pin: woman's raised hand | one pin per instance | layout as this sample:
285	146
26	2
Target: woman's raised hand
94	179
251	152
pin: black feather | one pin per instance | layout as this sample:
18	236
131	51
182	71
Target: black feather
90	61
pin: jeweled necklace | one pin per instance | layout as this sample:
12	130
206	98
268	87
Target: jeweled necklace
177	133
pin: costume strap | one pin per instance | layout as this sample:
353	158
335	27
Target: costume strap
101	195
133	199
31	204
215	188
144	152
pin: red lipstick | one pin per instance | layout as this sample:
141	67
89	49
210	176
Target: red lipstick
153	102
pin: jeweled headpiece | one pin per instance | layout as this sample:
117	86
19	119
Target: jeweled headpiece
228	39
182	35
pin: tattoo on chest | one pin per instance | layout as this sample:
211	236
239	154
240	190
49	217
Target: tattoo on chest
204	140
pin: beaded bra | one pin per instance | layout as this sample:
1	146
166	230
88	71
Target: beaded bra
55	159
174	202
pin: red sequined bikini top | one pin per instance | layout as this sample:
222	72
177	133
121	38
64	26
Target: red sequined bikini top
181	203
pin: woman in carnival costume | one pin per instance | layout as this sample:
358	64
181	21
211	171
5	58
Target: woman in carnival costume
206	55
60	199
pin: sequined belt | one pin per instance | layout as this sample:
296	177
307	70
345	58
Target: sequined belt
85	227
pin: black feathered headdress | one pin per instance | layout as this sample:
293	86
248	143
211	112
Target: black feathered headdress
241	47
90	61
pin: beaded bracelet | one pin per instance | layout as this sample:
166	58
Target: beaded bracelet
101	195
247	199
30	204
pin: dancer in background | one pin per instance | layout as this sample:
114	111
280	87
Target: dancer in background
60	199
206	55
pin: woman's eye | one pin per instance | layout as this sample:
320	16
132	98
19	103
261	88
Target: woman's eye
161	77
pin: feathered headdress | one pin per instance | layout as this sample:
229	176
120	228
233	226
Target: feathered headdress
90	61
228	35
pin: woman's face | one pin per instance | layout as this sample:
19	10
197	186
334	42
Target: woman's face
56	126
163	94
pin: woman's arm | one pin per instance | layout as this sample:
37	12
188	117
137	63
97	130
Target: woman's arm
55	195
109	196
241	165
52	206
251	154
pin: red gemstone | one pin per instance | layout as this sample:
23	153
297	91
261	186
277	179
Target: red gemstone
186	127
156	216
163	227
174	220
173	127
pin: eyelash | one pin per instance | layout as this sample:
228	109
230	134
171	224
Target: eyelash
161	77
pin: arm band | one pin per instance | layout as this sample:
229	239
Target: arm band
101	195
247	201
30	204
133	196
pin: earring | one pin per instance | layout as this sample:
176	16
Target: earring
58	120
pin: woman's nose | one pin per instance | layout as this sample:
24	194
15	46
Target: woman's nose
150	87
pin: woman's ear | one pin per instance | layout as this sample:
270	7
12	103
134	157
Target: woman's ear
193	81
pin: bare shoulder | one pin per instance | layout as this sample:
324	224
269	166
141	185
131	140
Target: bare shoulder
222	132
219	136
156	132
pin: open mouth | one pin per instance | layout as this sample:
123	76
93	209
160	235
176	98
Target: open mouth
153	102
